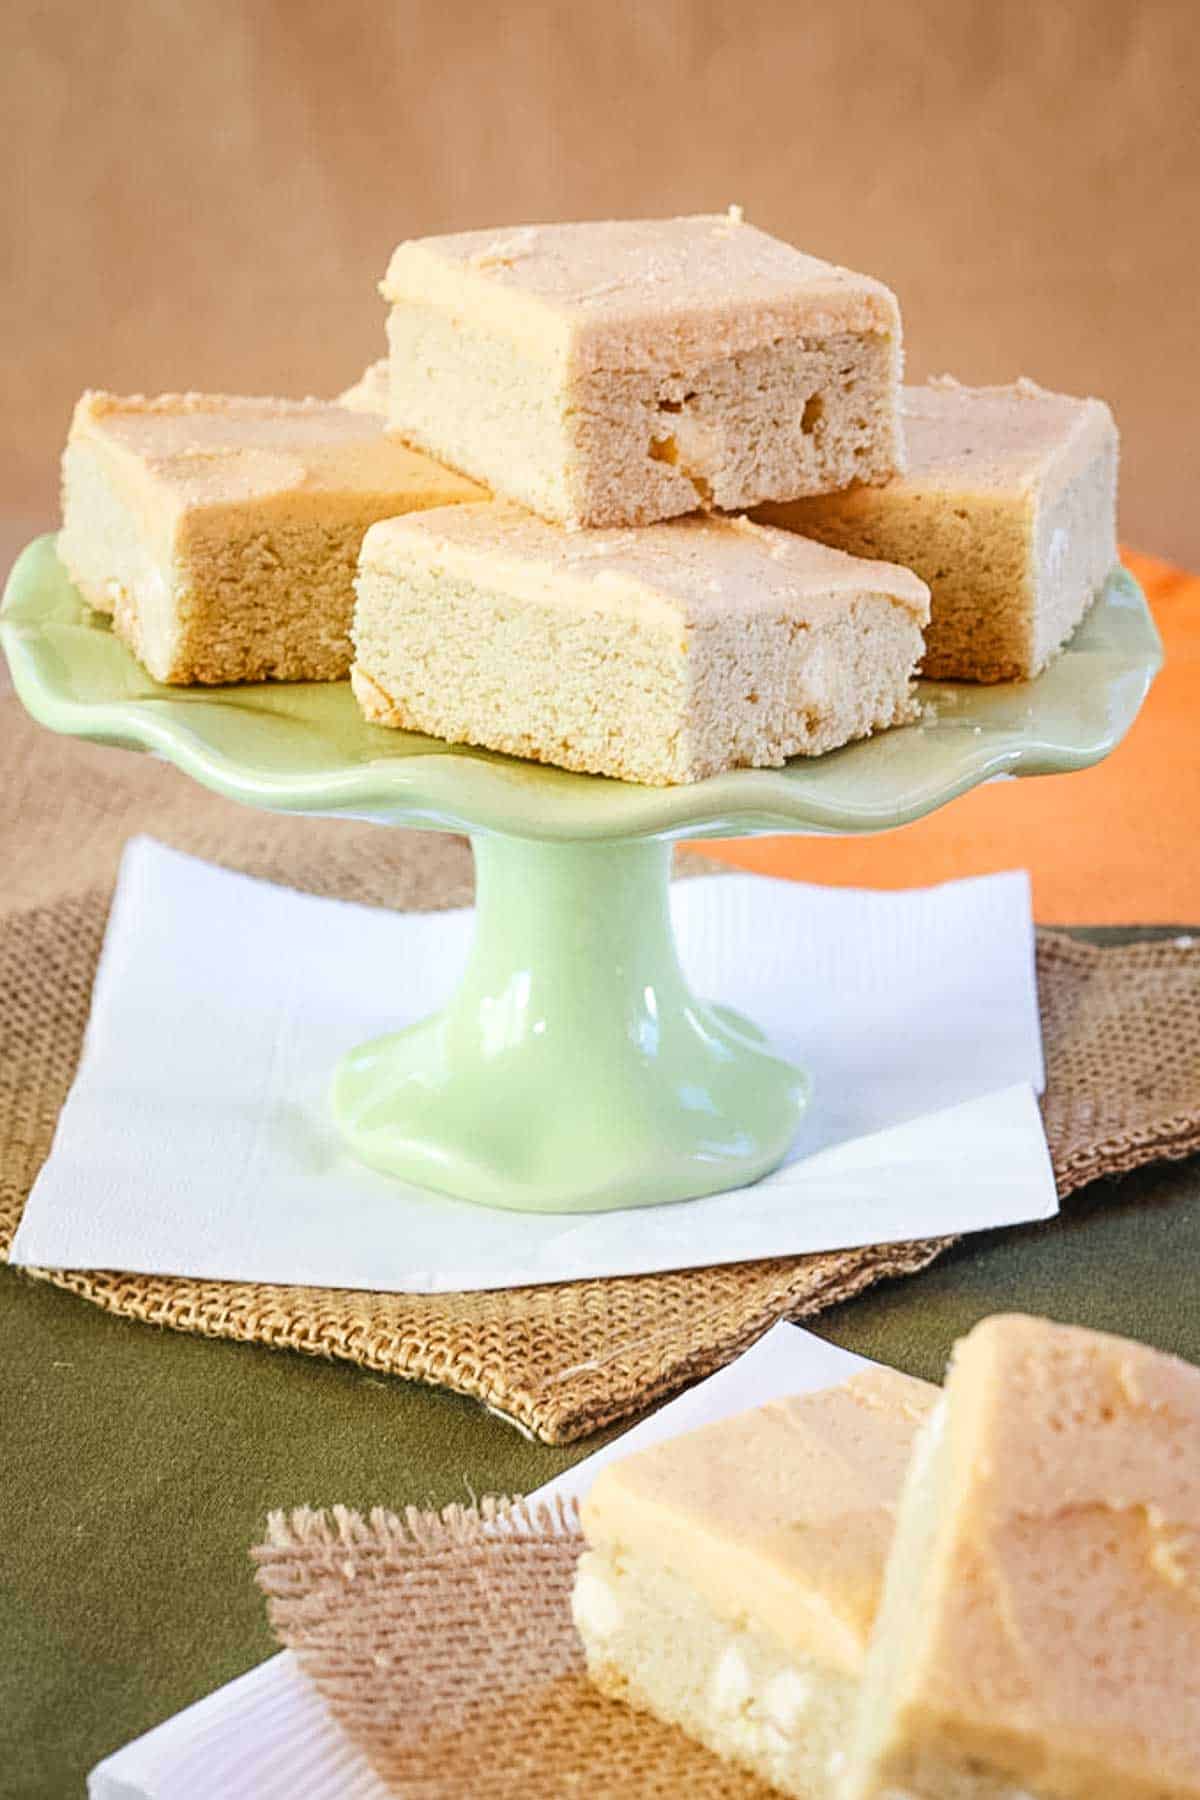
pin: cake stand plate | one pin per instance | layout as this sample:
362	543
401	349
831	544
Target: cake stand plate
573	1070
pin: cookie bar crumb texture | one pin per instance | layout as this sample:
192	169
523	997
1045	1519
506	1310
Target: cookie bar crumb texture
662	655
1007	510
222	534
624	372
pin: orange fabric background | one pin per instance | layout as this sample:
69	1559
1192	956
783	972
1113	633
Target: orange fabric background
1112	845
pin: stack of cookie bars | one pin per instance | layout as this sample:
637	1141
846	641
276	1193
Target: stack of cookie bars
644	499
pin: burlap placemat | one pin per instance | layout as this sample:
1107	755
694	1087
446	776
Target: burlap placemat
443	1646
1122	1040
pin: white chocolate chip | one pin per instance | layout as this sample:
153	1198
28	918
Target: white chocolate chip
731	1687
1056	554
594	1607
787	1696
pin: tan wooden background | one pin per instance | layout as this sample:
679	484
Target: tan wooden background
203	192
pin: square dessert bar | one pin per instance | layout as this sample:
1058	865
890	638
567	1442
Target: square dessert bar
733	1574
658	655
1039	1634
1007	510
624	372
223	534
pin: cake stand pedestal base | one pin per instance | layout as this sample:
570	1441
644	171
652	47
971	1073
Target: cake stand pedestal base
573	1070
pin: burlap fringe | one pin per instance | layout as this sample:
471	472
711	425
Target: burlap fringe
1122	1032
443	1646
390	1537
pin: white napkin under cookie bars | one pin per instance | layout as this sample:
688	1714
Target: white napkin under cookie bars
267	1735
197	1138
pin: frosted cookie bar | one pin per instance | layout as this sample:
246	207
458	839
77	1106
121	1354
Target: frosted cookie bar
1007	510
733	1574
222	534
625	372
659	655
1039	1635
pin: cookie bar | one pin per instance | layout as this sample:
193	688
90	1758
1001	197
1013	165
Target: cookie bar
659	655
625	372
733	1574
222	534
1039	1634
1007	510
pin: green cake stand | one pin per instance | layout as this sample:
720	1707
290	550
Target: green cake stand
574	1070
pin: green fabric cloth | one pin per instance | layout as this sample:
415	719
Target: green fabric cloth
138	1465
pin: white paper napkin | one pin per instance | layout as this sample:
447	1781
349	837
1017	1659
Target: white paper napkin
197	1139
267	1736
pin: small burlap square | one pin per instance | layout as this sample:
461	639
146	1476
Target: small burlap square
1121	1028
1123	1057
443	1646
